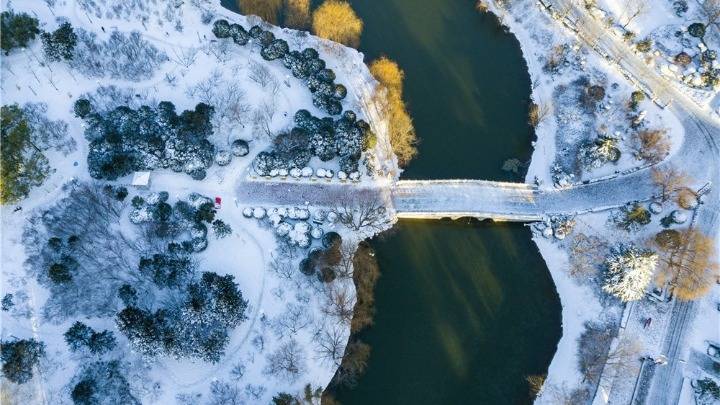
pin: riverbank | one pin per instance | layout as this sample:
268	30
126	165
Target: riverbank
546	44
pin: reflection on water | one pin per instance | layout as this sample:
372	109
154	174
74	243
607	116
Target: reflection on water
466	311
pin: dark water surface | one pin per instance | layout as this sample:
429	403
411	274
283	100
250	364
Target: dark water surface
465	309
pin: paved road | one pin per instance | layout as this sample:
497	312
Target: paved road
698	156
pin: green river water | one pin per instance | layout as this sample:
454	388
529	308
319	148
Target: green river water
465	309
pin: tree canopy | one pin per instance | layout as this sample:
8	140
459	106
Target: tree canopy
402	133
60	43
23	163
17	30
337	21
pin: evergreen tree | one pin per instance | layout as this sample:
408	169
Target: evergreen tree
629	271
221	229
17	30
19	357
167	270
101	342
60	43
23	163
102	383
78	336
284	398
128	295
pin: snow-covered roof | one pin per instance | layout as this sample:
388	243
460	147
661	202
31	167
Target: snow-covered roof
141	179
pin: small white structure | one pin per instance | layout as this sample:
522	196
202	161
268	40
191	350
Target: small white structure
141	179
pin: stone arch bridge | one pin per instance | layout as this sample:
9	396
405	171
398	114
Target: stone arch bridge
435	199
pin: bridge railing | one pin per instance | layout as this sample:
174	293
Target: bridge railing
486	183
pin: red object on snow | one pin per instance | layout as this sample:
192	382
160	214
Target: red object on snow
218	201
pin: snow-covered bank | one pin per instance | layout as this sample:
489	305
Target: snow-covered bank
288	316
557	62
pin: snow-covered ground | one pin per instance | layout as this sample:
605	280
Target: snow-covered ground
665	24
199	67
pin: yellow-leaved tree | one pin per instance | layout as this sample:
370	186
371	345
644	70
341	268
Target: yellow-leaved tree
266	9
688	262
337	21
402	132
297	14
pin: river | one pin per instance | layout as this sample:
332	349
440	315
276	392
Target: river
465	309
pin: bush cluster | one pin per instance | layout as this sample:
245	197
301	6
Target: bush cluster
196	327
320	261
185	222
125	140
305	65
325	138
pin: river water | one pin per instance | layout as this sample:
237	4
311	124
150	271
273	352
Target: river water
465	309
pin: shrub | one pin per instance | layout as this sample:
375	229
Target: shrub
126	140
307	267
636	97
336	21
17	30
326	275
644	45
240	147
221	29
707	390
632	216
697	30
683	59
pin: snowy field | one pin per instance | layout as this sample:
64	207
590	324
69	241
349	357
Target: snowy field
290	337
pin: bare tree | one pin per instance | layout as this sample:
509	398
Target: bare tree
220	49
222	393
330	344
586	254
364	212
712	11
227	99
652	145
263	116
633	9
353	363
669	181
283	261
259	73
538	113
293	320
185	57
287	362
85	223
344	269
339	303
597	354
